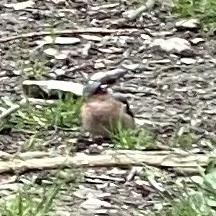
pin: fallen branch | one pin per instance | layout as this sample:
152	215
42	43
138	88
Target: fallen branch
120	158
67	32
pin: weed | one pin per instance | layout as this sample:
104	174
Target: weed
200	201
26	203
132	139
34	143
184	141
64	114
204	10
194	205
72	175
35	68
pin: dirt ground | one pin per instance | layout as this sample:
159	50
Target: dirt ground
165	93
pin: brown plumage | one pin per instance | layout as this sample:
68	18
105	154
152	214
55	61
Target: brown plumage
102	111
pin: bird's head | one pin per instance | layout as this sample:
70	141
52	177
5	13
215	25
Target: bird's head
94	87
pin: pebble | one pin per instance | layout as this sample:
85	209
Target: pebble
187	24
196	41
188	61
174	45
94	203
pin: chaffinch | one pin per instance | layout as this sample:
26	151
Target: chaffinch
103	110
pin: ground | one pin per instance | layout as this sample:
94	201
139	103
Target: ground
173	99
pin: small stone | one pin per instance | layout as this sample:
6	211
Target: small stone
59	72
11	187
141	182
3	73
58	1
174	45
161	61
51	52
93	149
34	88
62	213
116	171
66	40
101	212
212	61
61	40
113	211
196	41
91	37
93	204
113	185
131	66
62	56
121	40
87	193
188	24
105	145
20	5
99	65
145	37
188	61
59	55
104	195
102	186
200	60
52	75
17	72
162	33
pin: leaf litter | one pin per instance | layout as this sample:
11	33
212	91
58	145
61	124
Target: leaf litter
170	86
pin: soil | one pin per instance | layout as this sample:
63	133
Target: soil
165	94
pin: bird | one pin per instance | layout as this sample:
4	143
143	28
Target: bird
102	110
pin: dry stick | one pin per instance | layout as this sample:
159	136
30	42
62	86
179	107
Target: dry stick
108	159
24	101
105	178
133	172
12	109
67	32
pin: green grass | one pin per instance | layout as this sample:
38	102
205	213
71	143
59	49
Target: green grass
37	121
199	200
204	10
132	139
34	143
184	141
193	205
72	175
29	203
63	114
40	200
35	68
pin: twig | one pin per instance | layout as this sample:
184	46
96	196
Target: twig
24	101
105	178
12	109
42	102
133	172
155	185
67	32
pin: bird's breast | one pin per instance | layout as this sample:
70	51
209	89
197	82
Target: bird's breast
98	116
